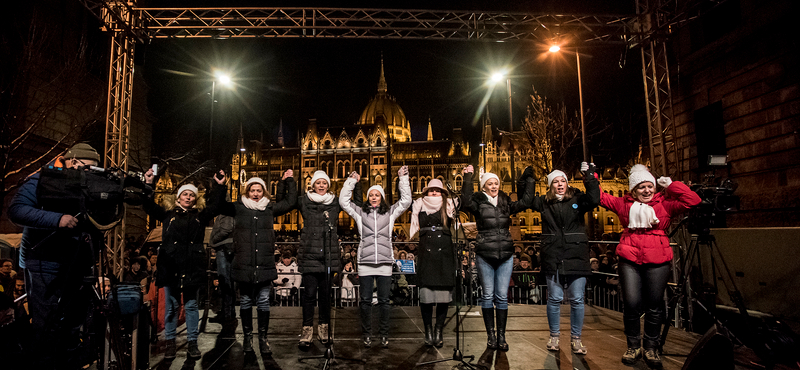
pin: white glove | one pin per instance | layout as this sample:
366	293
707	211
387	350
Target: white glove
664	181
584	166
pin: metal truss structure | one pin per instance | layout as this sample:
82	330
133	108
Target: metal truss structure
128	24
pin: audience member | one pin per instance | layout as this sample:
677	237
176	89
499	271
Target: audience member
288	279
7	274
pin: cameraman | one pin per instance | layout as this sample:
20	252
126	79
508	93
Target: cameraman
56	257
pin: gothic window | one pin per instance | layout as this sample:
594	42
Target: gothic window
342	166
329	168
378	142
414	184
459	182
620	193
522	221
364	168
610	220
273	187
378	180
535	222
361	141
308	182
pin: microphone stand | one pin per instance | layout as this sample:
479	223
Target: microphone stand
457	353
329	356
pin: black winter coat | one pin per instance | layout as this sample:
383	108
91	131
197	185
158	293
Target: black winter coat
311	255
181	257
254	238
436	256
494	243
564	242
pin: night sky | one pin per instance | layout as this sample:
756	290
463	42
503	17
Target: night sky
295	80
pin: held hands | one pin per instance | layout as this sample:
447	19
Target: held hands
289	173
148	176
468	169
664	181
527	173
220	178
355	175
403	171
588	169
67	221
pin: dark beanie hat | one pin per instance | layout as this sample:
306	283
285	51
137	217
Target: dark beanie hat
82	151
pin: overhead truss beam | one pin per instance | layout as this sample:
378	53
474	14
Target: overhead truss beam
380	23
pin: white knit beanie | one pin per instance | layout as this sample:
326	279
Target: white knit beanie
638	175
320	175
486	176
256	180
187	187
378	188
552	176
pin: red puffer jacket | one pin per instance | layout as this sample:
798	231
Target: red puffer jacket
650	245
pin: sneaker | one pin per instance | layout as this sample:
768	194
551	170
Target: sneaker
578	347
366	340
322	333
631	355
652	358
385	342
552	344
306	336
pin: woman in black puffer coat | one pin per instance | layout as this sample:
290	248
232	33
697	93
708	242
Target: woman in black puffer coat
492	209
182	258
565	250
320	211
253	265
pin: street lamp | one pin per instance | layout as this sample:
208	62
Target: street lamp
555	49
225	80
483	154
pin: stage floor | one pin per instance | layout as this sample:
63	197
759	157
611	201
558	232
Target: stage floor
527	335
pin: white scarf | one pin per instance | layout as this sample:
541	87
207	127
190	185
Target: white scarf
324	199
642	216
429	205
492	200
559	196
251	204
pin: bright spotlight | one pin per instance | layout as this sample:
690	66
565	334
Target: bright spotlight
555	48
498	76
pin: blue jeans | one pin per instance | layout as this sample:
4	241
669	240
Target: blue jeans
384	289
576	288
173	304
494	282
258	291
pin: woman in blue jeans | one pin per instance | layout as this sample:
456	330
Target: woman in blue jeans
182	258
375	222
492	209
565	251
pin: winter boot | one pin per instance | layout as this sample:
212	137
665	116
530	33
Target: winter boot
502	318
170	350
263	328
429	335
488	321
247	329
306	336
192	351
652	359
322	333
438	341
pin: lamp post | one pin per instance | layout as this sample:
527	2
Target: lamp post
483	154
225	80
555	49
497	77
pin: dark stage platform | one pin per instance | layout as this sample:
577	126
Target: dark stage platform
527	335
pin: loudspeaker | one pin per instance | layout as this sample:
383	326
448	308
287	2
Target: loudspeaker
713	351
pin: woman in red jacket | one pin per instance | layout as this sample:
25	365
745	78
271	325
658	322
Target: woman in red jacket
645	255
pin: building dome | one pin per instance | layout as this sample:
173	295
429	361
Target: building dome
384	110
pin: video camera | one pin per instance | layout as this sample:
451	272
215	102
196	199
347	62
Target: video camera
98	193
716	201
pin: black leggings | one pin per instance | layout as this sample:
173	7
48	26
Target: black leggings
312	284
427	312
643	291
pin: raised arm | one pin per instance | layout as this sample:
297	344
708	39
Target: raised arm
405	194
347	192
467	188
287	203
149	205
358	199
528	191
678	197
590	199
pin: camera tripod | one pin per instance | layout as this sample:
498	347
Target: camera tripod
683	286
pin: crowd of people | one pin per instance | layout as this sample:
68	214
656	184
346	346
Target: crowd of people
251	266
